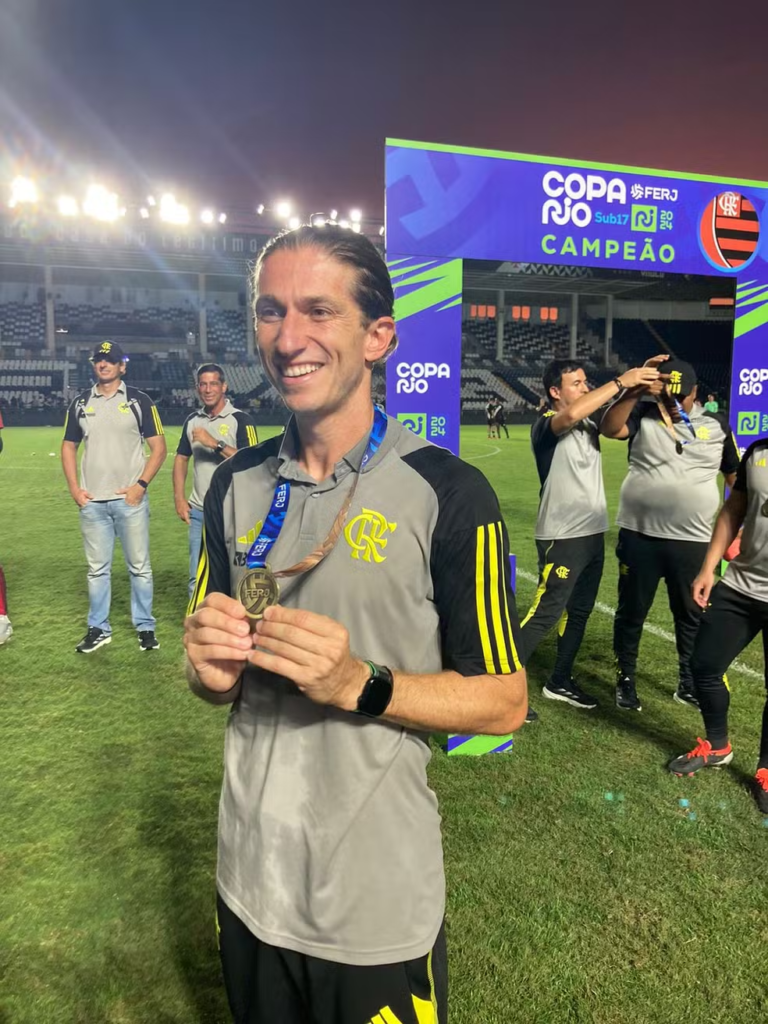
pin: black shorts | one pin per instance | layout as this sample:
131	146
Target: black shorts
269	985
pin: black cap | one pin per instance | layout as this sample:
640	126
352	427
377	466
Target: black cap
680	377
110	351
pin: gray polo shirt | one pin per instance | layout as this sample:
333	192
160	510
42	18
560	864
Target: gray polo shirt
230	425
670	494
329	835
113	431
748	572
572	497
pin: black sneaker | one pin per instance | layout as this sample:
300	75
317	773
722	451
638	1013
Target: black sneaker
684	696
92	640
531	715
570	693
626	694
702	756
147	640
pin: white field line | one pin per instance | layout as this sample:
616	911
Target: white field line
648	627
474	458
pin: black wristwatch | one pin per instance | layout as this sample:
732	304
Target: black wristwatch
221	445
377	692
142	483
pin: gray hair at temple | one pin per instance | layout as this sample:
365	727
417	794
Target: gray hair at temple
372	291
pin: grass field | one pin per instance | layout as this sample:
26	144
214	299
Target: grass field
580	890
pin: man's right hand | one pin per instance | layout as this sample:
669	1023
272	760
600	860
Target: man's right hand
639	377
218	640
182	510
656	361
81	496
701	588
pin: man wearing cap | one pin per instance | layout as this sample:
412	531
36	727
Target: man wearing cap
113	421
211	434
667	504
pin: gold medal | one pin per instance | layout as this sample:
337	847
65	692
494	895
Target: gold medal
257	591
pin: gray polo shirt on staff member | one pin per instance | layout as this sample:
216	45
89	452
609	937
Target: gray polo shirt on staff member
748	571
572	497
113	430
669	494
232	426
329	835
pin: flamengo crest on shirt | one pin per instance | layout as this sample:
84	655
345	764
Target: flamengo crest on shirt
365	534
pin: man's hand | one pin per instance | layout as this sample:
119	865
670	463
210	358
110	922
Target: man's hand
218	641
201	436
656	361
182	510
81	496
639	377
701	588
313	652
134	495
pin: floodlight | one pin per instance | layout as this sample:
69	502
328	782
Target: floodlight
222	218
355	216
318	222
260	209
101	204
357	227
294	223
144	213
151	201
23	190
171	211
334	214
207	216
283	209
381	230
343	223
68	206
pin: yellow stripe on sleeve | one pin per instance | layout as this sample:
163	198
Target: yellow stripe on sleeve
482	620
156	418
493	567
201	578
513	650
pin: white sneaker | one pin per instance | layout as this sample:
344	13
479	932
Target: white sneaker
6	629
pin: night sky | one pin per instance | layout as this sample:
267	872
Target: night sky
237	102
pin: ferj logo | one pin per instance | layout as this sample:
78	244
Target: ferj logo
748	423
415	422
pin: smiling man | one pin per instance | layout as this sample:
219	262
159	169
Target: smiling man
211	434
396	617
113	421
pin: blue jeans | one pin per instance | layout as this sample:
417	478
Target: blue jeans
195	540
101	522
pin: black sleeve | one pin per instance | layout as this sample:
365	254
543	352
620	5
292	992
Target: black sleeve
542	435
246	430
184	447
640	410
72	429
150	417
469	562
213	570
730	461
740	484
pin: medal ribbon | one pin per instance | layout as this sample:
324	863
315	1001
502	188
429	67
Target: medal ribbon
670	425
270	531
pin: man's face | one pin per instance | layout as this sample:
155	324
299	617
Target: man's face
211	389
686	403
311	335
572	386
106	372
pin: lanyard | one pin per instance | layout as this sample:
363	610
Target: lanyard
679	445
273	524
